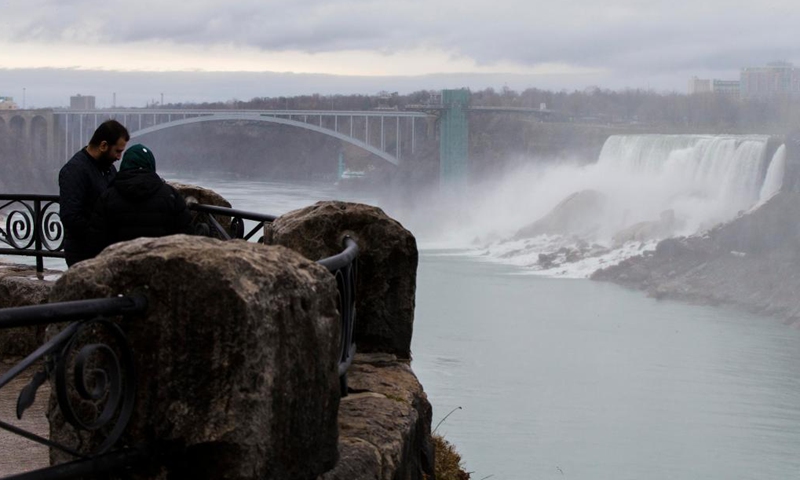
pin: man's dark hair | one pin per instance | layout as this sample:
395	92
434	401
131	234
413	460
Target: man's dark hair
110	132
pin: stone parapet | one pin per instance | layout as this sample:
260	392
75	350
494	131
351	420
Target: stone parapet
387	266
236	356
384	424
19	287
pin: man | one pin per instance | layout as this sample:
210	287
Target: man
138	203
81	181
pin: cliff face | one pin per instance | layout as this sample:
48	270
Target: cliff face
752	262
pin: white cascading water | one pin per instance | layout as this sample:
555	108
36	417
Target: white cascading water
774	178
642	189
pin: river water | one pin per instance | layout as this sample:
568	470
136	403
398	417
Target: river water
569	378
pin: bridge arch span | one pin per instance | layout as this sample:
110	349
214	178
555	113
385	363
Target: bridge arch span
265	118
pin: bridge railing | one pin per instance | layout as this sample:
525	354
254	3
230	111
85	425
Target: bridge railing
30	225
92	359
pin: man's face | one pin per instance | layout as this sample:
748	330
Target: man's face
112	153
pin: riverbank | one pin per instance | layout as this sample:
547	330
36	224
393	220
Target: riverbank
752	263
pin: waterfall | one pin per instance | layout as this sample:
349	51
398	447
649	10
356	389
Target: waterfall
774	178
727	167
568	219
704	179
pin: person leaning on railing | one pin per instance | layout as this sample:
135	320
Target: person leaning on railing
137	204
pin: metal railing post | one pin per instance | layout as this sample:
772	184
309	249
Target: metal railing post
37	235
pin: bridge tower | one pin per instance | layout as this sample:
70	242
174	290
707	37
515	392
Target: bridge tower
454	139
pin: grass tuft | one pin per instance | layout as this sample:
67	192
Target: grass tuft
448	460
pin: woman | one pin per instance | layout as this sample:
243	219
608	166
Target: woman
138	203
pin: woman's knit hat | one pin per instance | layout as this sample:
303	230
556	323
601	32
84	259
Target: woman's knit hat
138	157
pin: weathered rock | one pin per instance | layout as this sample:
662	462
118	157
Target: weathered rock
195	194
575	215
385	428
202	195
20	287
766	228
750	262
387	266
648	230
236	356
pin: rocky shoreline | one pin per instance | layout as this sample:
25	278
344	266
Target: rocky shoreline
751	262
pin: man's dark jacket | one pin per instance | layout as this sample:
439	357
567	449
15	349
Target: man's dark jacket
81	181
137	204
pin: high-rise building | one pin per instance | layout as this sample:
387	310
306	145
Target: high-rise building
726	87
777	79
81	102
699	85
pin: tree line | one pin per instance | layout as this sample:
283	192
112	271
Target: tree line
707	112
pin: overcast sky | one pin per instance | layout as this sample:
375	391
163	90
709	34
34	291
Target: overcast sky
214	50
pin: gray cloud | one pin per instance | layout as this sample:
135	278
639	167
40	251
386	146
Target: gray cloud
643	37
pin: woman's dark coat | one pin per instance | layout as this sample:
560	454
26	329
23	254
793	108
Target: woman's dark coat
137	204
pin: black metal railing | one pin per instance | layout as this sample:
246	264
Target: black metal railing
214	228
30	225
344	267
90	358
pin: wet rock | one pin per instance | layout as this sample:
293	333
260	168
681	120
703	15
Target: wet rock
750	262
648	230
575	215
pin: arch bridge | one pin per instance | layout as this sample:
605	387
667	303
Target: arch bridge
390	135
54	135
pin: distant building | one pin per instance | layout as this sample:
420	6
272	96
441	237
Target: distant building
777	79
7	103
699	85
81	102
726	87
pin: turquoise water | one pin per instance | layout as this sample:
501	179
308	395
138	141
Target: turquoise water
579	379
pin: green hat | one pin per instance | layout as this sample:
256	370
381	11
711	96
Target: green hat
138	156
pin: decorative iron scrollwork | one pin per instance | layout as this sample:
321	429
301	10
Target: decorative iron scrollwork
19	231
52	230
31	225
101	374
90	363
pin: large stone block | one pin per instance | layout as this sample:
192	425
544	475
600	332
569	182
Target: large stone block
204	196
385	425
236	356
20	287
387	266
